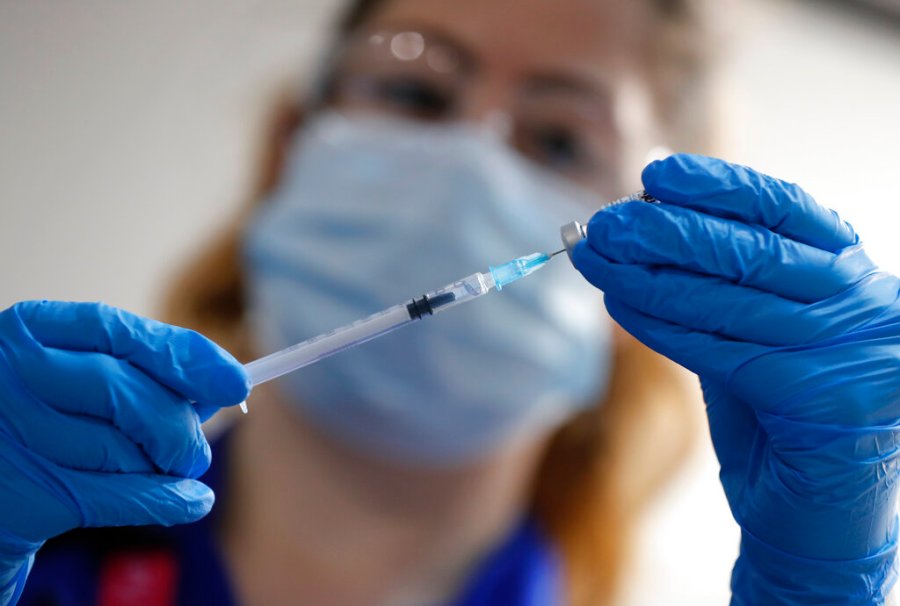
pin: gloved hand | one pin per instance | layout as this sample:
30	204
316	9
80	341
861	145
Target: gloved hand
96	424
795	335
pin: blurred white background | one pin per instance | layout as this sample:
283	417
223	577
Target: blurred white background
127	134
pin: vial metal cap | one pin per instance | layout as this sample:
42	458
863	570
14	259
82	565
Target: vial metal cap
572	233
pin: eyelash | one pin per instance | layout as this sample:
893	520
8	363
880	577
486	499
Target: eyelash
416	95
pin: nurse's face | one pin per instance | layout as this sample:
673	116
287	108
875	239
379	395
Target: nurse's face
560	80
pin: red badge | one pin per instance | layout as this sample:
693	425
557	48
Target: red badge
138	578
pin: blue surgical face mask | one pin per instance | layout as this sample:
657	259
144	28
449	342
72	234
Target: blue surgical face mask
372	212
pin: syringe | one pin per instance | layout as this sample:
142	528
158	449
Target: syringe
322	346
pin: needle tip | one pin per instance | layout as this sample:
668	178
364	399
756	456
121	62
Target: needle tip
243	406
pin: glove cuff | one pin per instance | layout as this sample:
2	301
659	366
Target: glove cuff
12	590
16	559
766	575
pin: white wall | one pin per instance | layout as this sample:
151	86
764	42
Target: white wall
126	135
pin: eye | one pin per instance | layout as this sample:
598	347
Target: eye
556	147
414	97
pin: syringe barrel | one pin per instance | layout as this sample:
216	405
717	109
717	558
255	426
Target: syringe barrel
325	345
574	232
320	347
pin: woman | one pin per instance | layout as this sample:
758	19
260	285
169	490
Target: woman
586	480
466	460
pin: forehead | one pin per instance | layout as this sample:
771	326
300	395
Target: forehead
601	36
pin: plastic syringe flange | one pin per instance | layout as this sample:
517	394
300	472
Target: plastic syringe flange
572	233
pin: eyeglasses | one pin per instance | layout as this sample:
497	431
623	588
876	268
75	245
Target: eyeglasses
551	119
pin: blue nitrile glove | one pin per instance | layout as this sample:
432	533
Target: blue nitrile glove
97	426
795	335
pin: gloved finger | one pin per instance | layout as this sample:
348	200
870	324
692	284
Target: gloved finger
89	444
710	356
42	500
163	424
138	499
205	412
713	305
182	360
63	499
662	234
768	378
731	191
830	371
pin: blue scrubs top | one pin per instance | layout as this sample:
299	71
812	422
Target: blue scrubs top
182	566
